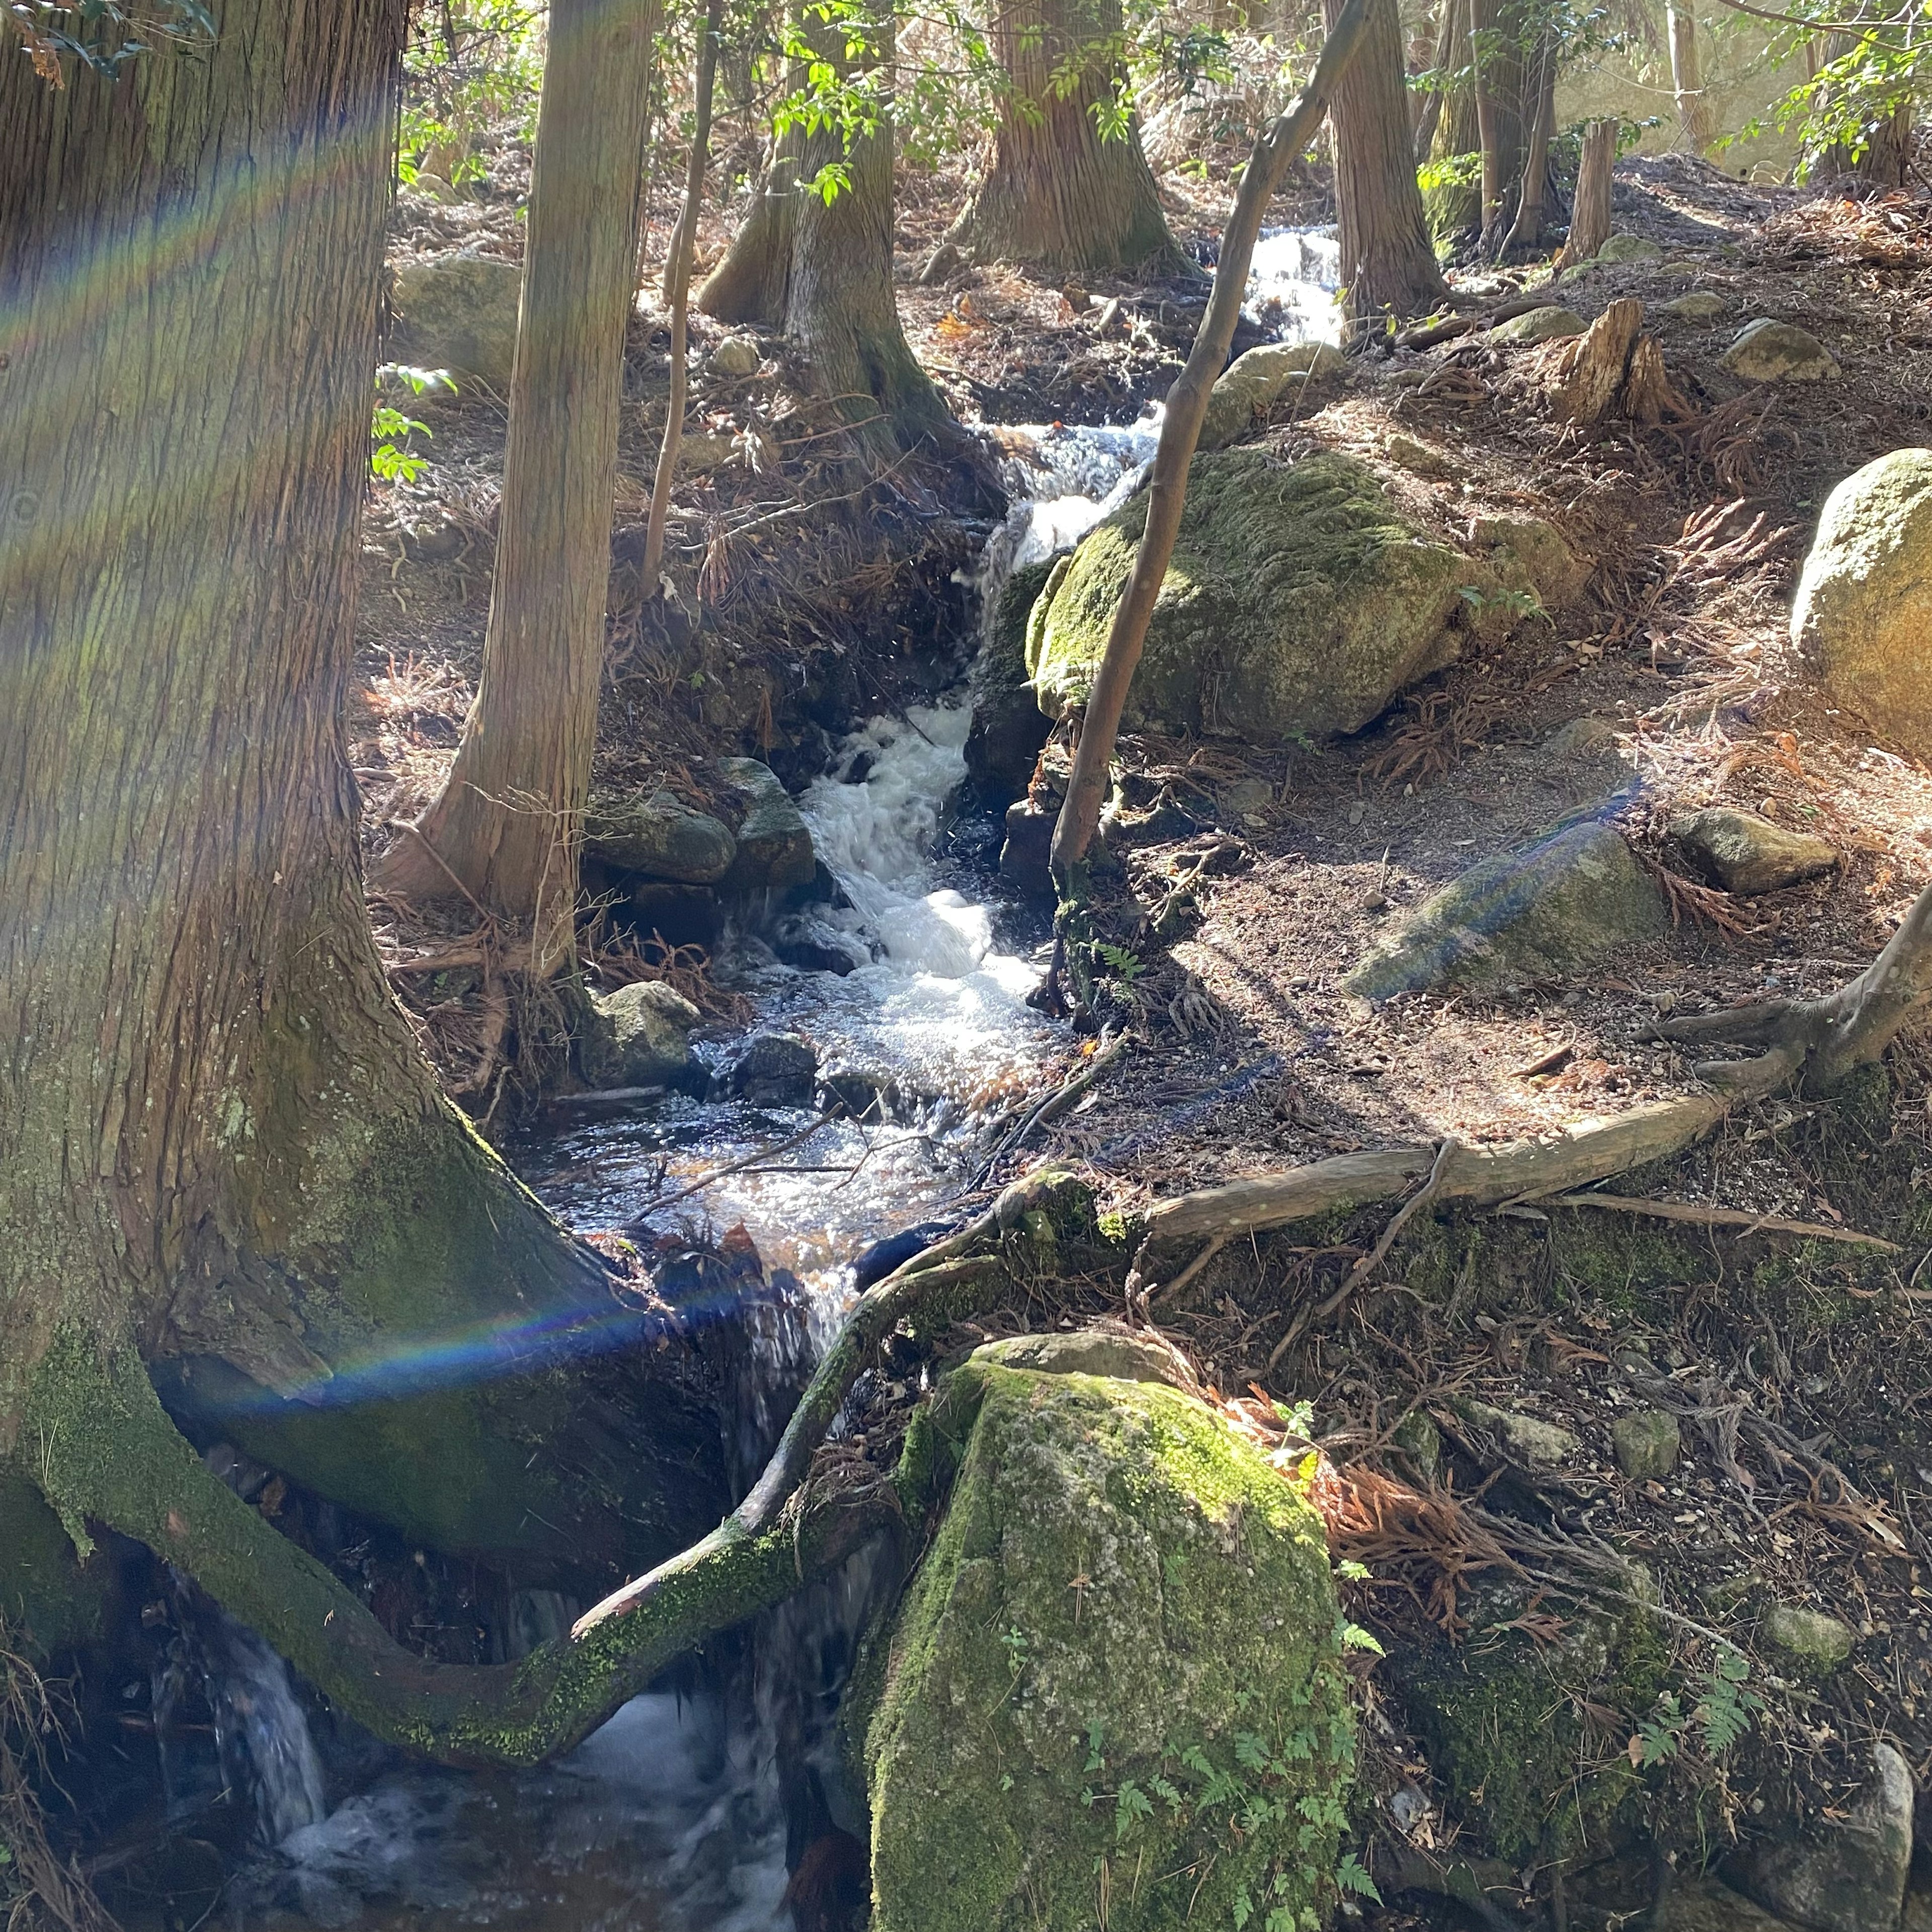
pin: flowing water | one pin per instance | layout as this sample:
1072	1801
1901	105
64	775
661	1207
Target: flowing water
686	1811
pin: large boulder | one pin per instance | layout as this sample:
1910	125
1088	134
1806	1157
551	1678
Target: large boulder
1548	324
636	1036
775	849
1847	1873
658	837
1124	1601
1863	616
1299	601
1574	897
458	312
1251	384
1007	729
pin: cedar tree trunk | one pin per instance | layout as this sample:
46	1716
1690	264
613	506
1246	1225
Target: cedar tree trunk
822	272
505	829
221	1157
1056	194
1694	122
1388	263
1590	219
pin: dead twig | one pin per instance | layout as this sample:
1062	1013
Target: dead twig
1724	1217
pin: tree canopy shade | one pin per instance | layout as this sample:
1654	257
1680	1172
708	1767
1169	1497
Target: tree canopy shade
220	1153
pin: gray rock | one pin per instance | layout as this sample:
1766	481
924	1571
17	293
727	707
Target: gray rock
1087	1352
1745	853
458	312
1626	249
1528	554
1418	1438
1581	738
774	845
1406	452
635	1036
1541	1444
1574	897
1246	798
1704	1905
1647	1444
1250	384
1769	351
1846	1875
1539	325
659	837
737	356
1814	1639
773	1070
1864	609
942	265
1697	305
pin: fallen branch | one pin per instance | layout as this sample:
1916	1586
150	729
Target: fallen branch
1724	1217
1056	1103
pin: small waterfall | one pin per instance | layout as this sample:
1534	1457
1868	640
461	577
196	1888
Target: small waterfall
216	1679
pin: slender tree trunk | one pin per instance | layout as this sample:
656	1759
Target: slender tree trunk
1388	261
677	291
1280	142
1695	125
1526	231
1455	208
1429	117
220	1153
1590	219
1057	195
505	829
1502	114
823	271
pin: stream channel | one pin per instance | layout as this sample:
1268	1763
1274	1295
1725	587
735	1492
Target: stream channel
690	1810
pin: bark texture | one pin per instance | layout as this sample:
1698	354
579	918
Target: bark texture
822	272
1056	194
1388	261
1590	219
219	1151
505	829
1696	125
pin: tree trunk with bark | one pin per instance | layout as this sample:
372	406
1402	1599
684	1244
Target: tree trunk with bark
1388	263
220	1153
1058	194
505	830
1696	125
1533	191
1455	208
1590	219
822	272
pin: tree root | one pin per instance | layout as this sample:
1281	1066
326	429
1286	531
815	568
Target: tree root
107	1451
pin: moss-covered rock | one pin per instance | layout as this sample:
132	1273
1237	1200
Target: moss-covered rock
636	1036
1549	324
48	1599
1572	898
1112	1693
774	844
1250	385
1298	602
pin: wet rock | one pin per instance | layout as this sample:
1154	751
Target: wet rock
1539	325
1574	897
659	837
774	846
1863	608
1844	1875
680	915
1086	1352
1812	1639
636	1036
1745	853
1697	305
1769	351
1118	1578
1251	384
1025	858
1008	728
1628	250
1704	1905
1647	1443
1298	602
736	356
807	954
458	312
1540	1443
1531	556
773	1069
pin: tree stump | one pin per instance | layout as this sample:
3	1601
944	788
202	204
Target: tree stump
1592	372
1590	221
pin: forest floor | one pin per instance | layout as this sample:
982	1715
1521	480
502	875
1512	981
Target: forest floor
1678	657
